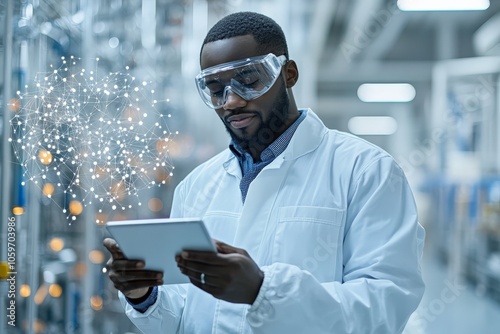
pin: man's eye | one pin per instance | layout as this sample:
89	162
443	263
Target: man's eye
248	81
216	90
217	93
251	82
247	78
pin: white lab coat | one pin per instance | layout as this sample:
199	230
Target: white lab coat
331	222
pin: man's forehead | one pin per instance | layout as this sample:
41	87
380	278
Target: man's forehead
228	50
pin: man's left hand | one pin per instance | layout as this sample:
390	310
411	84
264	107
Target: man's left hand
230	274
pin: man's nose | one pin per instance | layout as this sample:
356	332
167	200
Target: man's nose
233	100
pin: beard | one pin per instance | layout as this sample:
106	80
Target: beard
269	129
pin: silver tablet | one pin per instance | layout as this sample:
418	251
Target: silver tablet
157	241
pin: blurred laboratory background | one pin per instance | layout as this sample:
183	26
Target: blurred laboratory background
417	77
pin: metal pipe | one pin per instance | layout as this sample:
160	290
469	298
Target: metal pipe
497	114
6	163
88	53
6	156
33	213
33	203
33	210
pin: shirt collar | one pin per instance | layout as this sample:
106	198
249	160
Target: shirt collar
276	147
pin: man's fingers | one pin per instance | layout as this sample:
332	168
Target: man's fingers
129	275
113	248
228	249
202	257
196	268
193	275
110	244
126	264
213	290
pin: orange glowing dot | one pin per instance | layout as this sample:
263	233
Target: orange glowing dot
18	210
120	216
155	204
56	244
162	176
96	256
14	105
99	172
131	115
45	157
182	147
55	290
162	145
80	269
96	303
48	189
75	207
25	290
101	219
39	326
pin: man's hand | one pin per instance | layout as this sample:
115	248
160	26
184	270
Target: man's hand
129	276
230	274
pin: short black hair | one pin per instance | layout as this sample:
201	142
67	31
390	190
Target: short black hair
266	32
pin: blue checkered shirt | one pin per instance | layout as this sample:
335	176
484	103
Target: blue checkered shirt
251	169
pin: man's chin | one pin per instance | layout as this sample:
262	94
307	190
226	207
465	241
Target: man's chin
242	134
241	141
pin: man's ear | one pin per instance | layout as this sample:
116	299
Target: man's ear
292	73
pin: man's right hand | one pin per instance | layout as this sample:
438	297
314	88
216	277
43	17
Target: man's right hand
129	276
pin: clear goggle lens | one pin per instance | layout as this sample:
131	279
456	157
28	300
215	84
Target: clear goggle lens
249	78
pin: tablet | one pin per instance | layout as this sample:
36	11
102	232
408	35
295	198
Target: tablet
157	241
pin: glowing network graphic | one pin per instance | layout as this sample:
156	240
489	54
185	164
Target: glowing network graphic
98	140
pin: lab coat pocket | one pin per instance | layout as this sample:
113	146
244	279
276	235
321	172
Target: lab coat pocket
221	225
309	237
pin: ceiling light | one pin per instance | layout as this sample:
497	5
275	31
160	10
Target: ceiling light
373	125
443	5
386	92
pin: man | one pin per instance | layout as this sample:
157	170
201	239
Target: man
324	225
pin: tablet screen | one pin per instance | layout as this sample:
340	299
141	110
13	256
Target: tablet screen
157	241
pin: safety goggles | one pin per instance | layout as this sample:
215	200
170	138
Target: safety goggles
249	78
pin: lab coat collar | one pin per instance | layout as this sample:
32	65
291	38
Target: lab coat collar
306	138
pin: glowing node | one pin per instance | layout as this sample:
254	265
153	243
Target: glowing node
75	208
